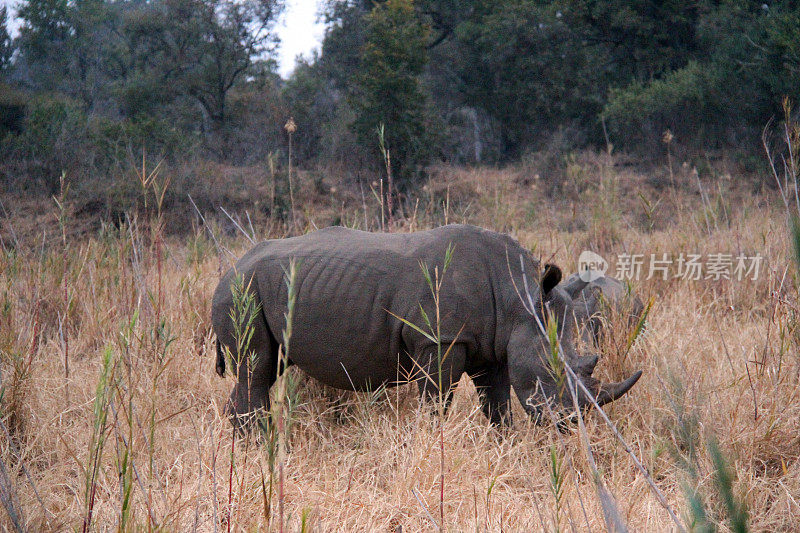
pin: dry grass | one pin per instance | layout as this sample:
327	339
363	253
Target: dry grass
720	361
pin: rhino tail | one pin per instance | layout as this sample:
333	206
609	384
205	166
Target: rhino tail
220	360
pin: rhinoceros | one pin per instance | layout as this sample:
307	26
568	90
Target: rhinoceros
597	301
352	287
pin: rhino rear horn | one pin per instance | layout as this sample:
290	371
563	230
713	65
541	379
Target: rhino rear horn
575	287
587	363
613	391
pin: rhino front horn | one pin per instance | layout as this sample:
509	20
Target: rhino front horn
613	391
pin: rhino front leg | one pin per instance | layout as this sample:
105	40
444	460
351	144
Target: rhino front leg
428	371
494	391
255	375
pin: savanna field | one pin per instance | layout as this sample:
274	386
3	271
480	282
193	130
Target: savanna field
112	414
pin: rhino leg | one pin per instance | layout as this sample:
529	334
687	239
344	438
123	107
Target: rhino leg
494	391
255	377
428	377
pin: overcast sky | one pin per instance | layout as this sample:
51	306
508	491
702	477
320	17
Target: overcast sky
299	30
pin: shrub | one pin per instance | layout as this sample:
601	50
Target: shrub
51	141
679	102
12	110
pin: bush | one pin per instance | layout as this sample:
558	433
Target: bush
114	143
641	113
12	110
52	138
56	136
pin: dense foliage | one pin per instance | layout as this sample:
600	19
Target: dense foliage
87	82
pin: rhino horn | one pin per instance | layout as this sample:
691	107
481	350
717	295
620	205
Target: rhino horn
612	391
575	287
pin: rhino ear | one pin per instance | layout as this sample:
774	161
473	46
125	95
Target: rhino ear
550	278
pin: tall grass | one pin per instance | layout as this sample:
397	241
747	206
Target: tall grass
281	413
387	161
61	203
243	314
556	486
433	334
97	441
290	128
124	453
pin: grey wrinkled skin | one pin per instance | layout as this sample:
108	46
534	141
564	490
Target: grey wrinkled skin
597	301
349	283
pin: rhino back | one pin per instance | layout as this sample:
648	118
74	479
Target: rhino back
350	282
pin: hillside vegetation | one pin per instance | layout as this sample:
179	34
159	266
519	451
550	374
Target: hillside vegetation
86	87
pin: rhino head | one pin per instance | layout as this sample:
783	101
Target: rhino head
536	375
598	302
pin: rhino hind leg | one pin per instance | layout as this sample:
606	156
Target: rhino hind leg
494	391
427	376
254	379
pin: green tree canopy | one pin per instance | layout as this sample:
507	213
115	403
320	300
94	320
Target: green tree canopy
388	88
137	56
6	44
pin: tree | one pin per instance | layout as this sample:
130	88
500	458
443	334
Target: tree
45	31
6	44
388	89
72	47
756	49
231	35
520	63
340	57
137	56
634	40
200	50
750	60
312	102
